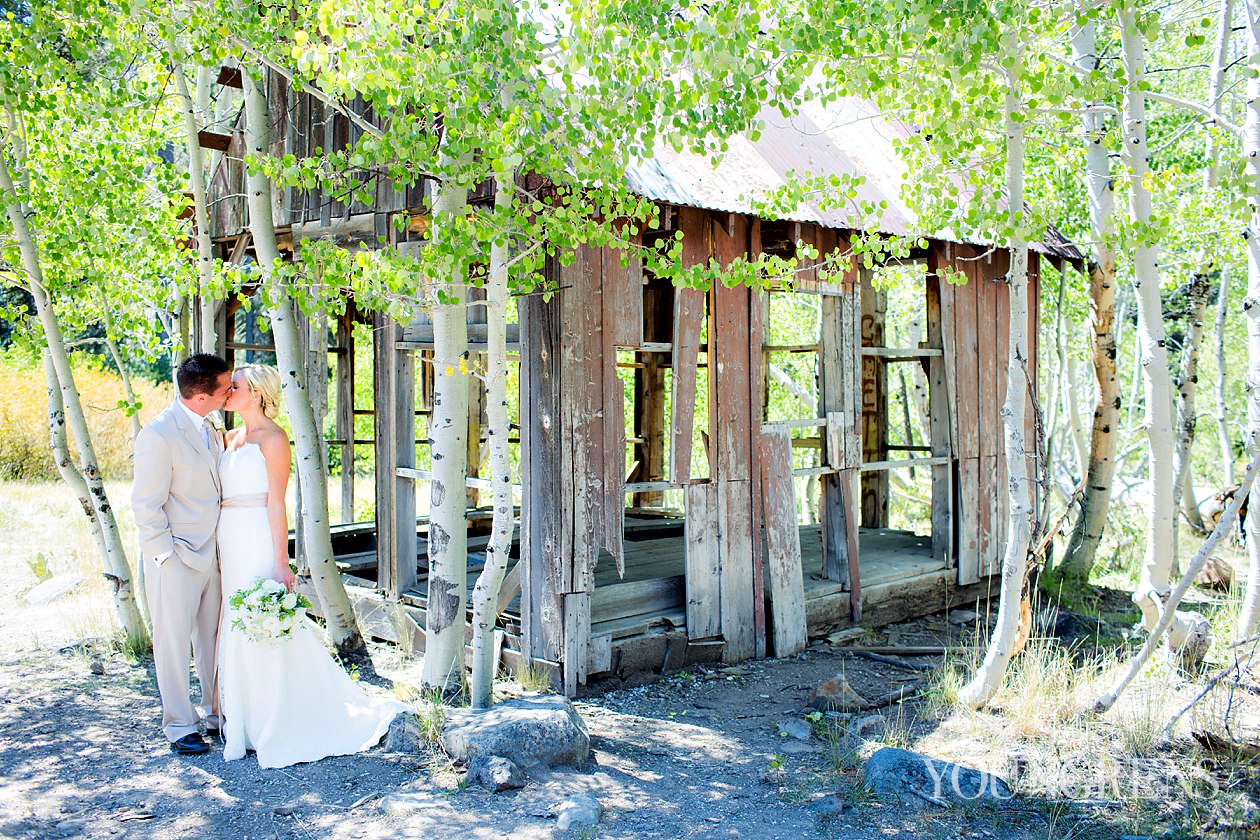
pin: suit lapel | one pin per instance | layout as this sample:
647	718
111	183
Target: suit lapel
198	442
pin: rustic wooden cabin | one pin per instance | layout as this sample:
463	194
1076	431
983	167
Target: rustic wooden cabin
666	517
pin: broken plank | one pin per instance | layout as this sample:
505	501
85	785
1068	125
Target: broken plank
783	546
701	553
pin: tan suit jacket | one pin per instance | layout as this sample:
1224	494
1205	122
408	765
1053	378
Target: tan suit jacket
176	490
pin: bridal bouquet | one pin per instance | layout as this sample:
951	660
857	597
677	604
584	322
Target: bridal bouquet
266	611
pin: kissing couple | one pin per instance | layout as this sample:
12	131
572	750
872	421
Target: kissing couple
213	522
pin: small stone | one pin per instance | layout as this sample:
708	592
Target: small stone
52	589
282	810
97	667
961	618
874	724
829	806
797	748
796	728
1215	574
578	811
836	694
495	773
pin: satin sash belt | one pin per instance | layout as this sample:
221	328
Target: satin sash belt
249	500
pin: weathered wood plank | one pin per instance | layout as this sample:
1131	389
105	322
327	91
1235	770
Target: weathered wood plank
622	301
735	539
758	307
783	546
703	565
833	372
688	319
874	413
544	572
623	298
938	421
577	640
966	404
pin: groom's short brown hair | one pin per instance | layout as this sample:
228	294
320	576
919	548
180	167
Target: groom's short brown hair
199	374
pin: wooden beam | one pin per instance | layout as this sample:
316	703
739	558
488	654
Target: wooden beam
700	540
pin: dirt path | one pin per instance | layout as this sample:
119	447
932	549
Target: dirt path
694	754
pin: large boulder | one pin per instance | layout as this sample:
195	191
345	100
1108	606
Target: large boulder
530	731
917	779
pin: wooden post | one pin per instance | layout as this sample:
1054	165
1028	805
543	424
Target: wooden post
649	394
396	549
476	403
345	408
939	417
874	407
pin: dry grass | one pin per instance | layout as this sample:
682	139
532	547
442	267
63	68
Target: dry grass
41	524
24	419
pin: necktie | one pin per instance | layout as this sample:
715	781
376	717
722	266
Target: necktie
207	433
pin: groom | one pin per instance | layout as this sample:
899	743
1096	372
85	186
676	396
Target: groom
176	501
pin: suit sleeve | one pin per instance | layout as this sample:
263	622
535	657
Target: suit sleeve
149	492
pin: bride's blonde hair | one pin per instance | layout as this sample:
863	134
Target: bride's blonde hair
264	381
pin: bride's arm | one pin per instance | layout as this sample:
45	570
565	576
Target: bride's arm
275	449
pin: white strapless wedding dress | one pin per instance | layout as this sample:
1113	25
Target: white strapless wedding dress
287	700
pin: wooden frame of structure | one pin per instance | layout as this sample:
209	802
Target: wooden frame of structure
606	580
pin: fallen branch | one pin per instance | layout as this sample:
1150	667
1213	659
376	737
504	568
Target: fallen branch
889	660
1169	607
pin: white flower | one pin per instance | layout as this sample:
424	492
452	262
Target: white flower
289	601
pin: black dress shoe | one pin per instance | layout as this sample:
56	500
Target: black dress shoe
214	732
191	744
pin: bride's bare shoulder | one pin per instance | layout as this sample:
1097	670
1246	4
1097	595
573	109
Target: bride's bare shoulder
273	442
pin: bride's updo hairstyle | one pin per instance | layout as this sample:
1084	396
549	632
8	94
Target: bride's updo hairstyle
264	381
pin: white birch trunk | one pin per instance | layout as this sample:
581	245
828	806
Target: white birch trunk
1154	584
201	209
117	567
1220	57
1187	391
308	441
988	677
446	615
1223	437
485	596
1249	617
1087	531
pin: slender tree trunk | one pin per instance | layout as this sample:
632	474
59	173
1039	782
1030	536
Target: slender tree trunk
117	567
1154	584
1216	84
308	441
446	616
129	393
1249	617
486	591
1223	437
201	208
1087	531
1187	419
1006	631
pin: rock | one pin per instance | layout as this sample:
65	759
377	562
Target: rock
578	811
1215	574
405	804
961	618
836	694
495	773
875	725
404	734
796	728
830	805
97	667
52	589
797	748
915	779
282	810
1188	642
531	730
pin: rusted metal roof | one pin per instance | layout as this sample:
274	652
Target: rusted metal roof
848	138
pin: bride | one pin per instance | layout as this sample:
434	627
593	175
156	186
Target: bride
288	700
